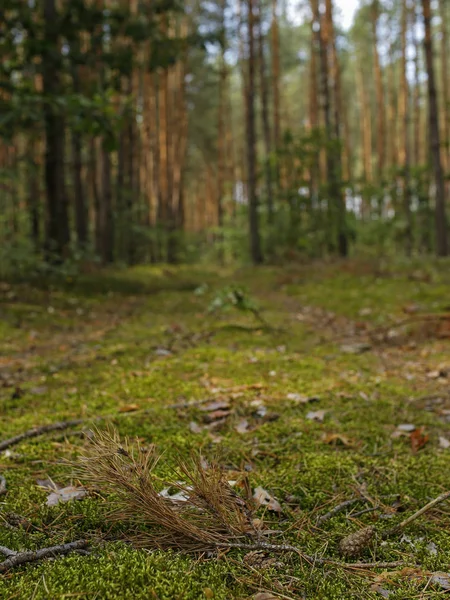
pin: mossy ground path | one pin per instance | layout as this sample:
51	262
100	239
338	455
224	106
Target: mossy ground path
142	340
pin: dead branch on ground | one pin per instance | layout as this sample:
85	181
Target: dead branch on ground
15	559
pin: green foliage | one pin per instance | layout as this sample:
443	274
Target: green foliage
235	298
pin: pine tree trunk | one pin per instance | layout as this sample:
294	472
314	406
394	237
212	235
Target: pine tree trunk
433	115
265	117
276	75
337	177
381	142
221	152
81	221
34	194
417	111
405	159
255	241
58	233
443	5
106	210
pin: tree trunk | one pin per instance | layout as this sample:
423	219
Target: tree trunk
81	219
404	141
265	117
381	142
255	242
337	176
221	151
107	210
34	194
433	115
57	233
276	75
443	5
417	111
365	128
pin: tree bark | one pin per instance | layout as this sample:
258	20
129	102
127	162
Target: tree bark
338	109
443	5
57	232
255	241
265	117
381	141
276	74
434	137
405	160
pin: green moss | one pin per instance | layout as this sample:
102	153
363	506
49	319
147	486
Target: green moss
96	352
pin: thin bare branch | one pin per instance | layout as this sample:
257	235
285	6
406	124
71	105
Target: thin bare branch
16	559
338	509
36	431
441	498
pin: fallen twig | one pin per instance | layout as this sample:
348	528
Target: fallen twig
381	331
311	559
416	515
3	489
62	425
36	431
337	509
19	558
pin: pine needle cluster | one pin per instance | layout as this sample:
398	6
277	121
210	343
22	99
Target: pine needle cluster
204	514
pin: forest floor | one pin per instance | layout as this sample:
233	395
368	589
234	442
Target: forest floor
343	394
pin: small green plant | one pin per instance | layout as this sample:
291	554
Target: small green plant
233	297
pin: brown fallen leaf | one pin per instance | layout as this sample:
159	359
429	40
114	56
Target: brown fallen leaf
263	498
129	408
243	388
339	438
216	415
418	439
264	596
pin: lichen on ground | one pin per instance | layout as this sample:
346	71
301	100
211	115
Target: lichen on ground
129	345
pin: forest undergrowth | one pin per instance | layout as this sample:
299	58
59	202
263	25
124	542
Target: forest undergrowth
320	393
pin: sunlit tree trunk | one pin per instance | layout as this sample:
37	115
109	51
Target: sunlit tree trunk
381	142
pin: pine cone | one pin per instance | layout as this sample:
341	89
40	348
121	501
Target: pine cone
354	544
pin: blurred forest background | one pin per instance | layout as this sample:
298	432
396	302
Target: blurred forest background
230	130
